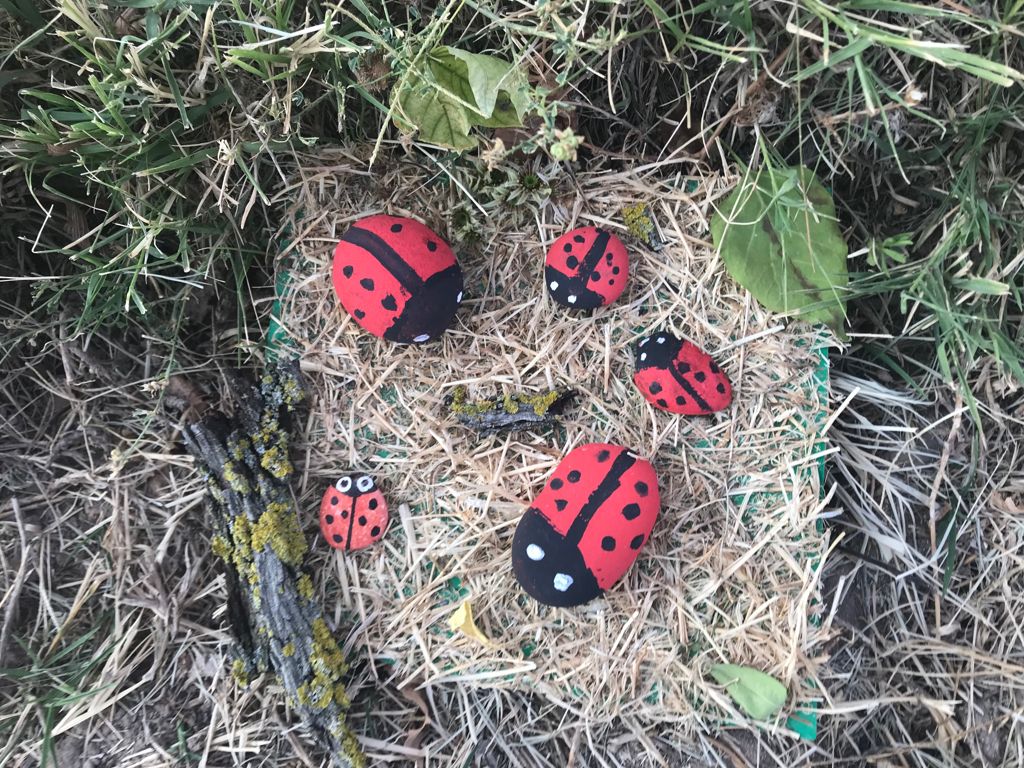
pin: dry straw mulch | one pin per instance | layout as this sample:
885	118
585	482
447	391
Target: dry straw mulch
729	574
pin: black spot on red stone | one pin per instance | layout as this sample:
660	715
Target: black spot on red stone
603	455
567	248
631	511
431	246
641	489
579	238
700	376
595	275
572	262
396	227
347	271
362	520
344	515
655	387
334	499
359	314
662	403
713	367
557	483
637	541
574	476
683	367
372	504
337	538
680	400
720	388
608	258
561	504
367	283
611	282
615	270
375	531
608	544
389	303
329	519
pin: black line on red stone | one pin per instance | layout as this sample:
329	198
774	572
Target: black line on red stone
386	255
594	254
700	401
351	521
600	495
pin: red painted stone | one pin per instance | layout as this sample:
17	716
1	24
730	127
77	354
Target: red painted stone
397	278
586	527
586	268
353	513
679	377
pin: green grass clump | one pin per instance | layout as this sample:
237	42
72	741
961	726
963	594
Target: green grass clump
154	134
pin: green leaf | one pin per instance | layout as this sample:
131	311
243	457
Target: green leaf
779	238
439	119
757	694
474	77
458	90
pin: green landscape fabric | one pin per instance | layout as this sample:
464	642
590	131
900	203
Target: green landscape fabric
802	721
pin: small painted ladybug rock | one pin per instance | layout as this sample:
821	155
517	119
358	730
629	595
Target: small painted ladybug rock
353	513
397	278
586	527
586	268
679	377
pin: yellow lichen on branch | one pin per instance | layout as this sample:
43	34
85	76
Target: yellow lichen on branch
277	625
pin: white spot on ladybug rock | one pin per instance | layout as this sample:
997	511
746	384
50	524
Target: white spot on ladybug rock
534	552
421	338
571	299
643	356
554	285
645	341
344	484
660	339
364	483
458	299
562	581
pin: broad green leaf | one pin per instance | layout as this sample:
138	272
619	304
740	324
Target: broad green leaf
439	119
779	238
757	694
505	114
457	90
475	77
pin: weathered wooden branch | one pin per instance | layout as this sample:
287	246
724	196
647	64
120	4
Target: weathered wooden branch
509	412
276	623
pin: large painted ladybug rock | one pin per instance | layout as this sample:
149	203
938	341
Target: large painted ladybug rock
397	278
585	529
586	268
353	513
679	377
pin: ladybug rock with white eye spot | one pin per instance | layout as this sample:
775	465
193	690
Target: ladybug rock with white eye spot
586	268
353	513
397	278
586	527
679	377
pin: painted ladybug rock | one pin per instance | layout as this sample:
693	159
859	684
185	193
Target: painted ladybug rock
586	268
679	377
586	528
397	278
353	513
